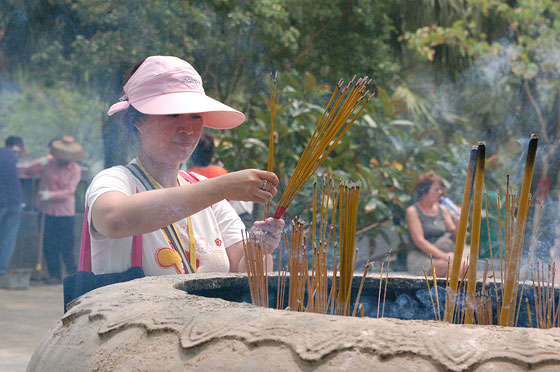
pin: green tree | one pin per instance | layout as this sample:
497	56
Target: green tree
512	87
232	44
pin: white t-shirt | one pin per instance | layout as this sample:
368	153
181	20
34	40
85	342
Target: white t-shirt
215	228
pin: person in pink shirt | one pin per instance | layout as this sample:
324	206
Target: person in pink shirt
56	199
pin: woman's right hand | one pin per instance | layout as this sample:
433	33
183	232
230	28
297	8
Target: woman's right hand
250	185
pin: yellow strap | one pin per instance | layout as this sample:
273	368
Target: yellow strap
192	242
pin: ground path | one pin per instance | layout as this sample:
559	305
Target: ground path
25	317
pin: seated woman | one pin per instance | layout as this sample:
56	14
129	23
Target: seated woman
165	105
431	228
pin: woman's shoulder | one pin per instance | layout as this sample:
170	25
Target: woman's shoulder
115	171
411	209
118	176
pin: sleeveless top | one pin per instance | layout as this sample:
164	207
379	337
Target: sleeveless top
434	227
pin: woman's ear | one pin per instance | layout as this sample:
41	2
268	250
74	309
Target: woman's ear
140	123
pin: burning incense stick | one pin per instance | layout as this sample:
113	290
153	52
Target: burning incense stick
386	283
270	165
434	278
461	238
256	263
490	241
529	312
513	262
431	297
360	289
380	285
329	131
348	215
475	230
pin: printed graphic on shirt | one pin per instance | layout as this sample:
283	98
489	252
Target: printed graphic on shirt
167	257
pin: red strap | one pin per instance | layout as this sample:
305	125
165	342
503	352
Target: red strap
189	176
136	256
85	248
136	259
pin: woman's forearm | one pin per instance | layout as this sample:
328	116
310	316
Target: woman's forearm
430	249
117	215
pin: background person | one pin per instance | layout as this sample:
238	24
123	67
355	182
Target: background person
11	200
166	106
431	228
56	200
201	158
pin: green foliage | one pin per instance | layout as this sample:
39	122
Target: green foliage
511	88
382	151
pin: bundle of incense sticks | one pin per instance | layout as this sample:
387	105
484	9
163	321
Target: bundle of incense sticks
334	123
257	268
319	298
463	303
348	216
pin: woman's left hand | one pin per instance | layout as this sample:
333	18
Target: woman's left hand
271	231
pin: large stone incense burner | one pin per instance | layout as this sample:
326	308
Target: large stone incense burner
168	324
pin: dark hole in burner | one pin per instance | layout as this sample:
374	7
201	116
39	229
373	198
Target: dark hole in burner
407	298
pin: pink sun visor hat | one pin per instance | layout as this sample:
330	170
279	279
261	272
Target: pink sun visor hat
165	85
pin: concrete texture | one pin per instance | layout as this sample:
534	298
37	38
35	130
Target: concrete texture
158	324
25	317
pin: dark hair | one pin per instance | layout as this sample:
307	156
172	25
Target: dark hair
424	183
131	114
204	151
12	141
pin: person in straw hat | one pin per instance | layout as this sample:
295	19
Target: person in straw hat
56	200
166	107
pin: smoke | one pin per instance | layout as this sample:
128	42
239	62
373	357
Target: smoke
39	114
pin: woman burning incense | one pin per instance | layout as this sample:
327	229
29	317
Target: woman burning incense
183	219
431	228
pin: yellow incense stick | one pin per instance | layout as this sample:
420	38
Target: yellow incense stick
517	244
328	132
460	239
475	231
270	165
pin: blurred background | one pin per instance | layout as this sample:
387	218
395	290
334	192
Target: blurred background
446	73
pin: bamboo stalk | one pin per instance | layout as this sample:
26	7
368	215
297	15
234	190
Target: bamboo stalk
475	231
460	239
513	263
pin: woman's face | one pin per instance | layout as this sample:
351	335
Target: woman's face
434	192
169	139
